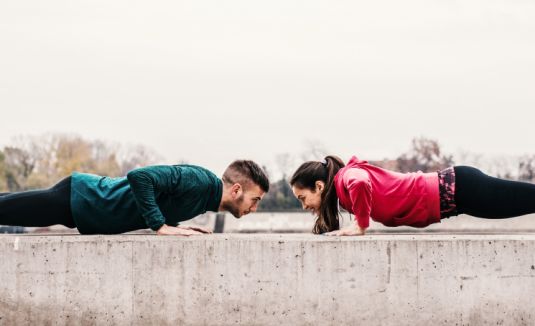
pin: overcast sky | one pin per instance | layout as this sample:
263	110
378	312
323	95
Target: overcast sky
210	81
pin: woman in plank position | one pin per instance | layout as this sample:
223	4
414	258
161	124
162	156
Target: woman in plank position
413	199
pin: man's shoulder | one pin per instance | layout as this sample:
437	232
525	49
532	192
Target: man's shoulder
193	168
196	173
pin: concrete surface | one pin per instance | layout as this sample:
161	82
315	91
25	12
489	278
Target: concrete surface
303	222
259	279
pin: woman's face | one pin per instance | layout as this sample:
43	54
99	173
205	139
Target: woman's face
310	198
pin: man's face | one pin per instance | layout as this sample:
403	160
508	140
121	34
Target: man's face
245	201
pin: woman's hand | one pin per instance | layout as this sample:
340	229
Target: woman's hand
347	231
180	231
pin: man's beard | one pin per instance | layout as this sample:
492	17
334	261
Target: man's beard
234	207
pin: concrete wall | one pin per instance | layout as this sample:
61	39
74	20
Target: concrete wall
267	280
302	222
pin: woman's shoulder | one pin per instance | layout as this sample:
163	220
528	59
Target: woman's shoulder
353	172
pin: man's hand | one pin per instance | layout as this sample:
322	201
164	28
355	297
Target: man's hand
195	228
348	231
172	230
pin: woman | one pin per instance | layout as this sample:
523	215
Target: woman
393	199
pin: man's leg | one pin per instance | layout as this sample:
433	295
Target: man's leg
38	207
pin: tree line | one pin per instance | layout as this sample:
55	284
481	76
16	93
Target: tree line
424	155
38	162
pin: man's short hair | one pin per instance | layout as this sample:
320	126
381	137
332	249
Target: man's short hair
244	172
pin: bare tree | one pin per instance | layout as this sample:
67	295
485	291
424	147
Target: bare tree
40	161
425	155
19	164
314	150
526	168
3	181
465	157
503	166
104	156
284	162
136	156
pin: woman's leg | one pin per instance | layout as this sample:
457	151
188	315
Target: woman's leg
480	195
38	207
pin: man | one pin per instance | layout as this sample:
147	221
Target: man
157	197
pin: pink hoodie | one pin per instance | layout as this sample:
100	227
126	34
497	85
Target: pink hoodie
388	197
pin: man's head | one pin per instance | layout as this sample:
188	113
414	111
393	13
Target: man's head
244	185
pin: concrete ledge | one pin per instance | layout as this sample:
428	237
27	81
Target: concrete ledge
257	279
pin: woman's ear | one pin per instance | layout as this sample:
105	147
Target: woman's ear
320	186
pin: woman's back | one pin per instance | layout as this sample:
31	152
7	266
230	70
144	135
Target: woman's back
389	197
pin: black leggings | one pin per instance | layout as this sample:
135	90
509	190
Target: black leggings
480	195
38	207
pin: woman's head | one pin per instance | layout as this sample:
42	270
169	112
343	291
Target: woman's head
313	185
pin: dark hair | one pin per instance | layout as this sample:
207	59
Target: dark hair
245	171
305	178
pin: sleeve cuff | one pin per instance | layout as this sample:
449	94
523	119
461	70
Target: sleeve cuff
156	225
363	222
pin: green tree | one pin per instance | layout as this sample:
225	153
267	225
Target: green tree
280	198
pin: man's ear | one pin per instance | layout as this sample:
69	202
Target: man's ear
236	190
320	186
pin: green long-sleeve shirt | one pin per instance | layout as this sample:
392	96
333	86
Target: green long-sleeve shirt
146	197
